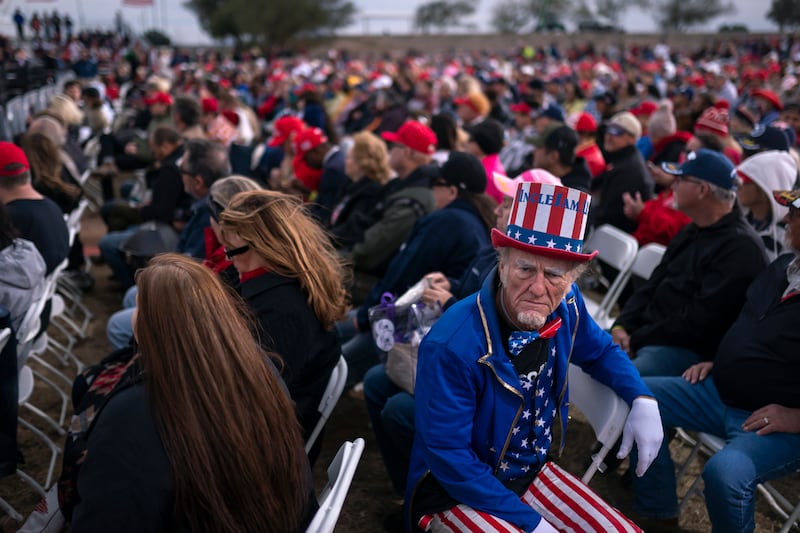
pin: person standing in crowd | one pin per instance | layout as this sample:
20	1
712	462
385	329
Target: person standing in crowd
760	422
163	420
625	173
555	153
492	375
678	316
293	282
19	22
318	153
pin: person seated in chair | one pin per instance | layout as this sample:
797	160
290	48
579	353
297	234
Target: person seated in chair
492	376
747	395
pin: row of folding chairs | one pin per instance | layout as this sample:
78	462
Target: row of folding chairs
14	119
621	251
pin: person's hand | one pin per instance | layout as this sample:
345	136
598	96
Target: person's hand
437	279
773	418
643	426
436	295
632	205
698	372
544	527
131	148
621	337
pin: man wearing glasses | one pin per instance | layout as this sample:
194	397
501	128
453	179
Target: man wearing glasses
677	318
748	396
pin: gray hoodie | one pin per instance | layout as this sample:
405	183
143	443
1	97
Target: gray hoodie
21	278
771	171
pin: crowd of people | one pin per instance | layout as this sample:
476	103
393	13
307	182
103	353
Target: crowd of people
299	194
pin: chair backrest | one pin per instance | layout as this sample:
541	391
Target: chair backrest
647	259
617	249
329	399
605	411
340	476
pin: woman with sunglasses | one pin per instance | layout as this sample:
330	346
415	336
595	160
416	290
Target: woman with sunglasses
292	280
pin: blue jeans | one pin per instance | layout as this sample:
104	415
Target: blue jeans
664	360
730	475
391	413
109	249
119	329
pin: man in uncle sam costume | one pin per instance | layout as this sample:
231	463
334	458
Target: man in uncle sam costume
492	379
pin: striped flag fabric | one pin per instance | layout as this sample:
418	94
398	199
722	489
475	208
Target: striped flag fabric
562	499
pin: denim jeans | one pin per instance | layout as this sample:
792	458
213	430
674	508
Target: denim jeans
730	475
119	329
109	249
659	361
391	413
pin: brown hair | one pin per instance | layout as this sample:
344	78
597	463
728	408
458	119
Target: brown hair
227	424
293	244
44	158
370	154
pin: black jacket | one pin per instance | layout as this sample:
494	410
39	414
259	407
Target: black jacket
758	361
625	172
169	201
289	327
697	290
354	213
579	176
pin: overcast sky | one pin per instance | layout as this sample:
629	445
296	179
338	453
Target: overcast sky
182	25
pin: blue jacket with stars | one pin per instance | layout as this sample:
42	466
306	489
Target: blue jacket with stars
468	398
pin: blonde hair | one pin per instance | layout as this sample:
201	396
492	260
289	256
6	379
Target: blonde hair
370	154
224	189
64	108
219	407
294	245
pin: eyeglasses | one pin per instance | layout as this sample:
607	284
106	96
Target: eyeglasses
231	253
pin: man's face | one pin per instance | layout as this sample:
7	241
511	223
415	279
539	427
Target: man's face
792	118
398	155
543	158
190	182
315	156
74	93
614	142
687	190
466	113
533	286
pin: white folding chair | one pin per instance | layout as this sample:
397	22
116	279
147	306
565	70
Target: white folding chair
605	411
340	475
617	249
26	379
329	399
647	259
777	501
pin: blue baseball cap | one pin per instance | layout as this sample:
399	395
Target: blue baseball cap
706	165
763	138
553	112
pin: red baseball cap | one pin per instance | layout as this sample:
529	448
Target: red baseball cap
231	116
210	105
769	96
283	129
159	98
308	139
585	123
414	135
11	154
645	109
521	107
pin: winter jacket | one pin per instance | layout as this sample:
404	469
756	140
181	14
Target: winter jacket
169	201
21	278
331	183
445	241
625	172
659	221
468	399
407	200
697	290
352	216
578	176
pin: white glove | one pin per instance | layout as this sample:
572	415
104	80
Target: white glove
544	527
643	426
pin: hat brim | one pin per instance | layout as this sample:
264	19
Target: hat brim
391	137
787	198
506	185
771	98
672	168
276	142
747	142
499	240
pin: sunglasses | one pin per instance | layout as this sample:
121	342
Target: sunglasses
688	180
231	253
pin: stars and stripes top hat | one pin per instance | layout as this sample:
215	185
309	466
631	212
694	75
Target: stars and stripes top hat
547	220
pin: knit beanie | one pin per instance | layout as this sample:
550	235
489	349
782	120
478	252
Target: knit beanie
713	120
662	122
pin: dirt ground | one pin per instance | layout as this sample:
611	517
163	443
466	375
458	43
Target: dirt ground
371	496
